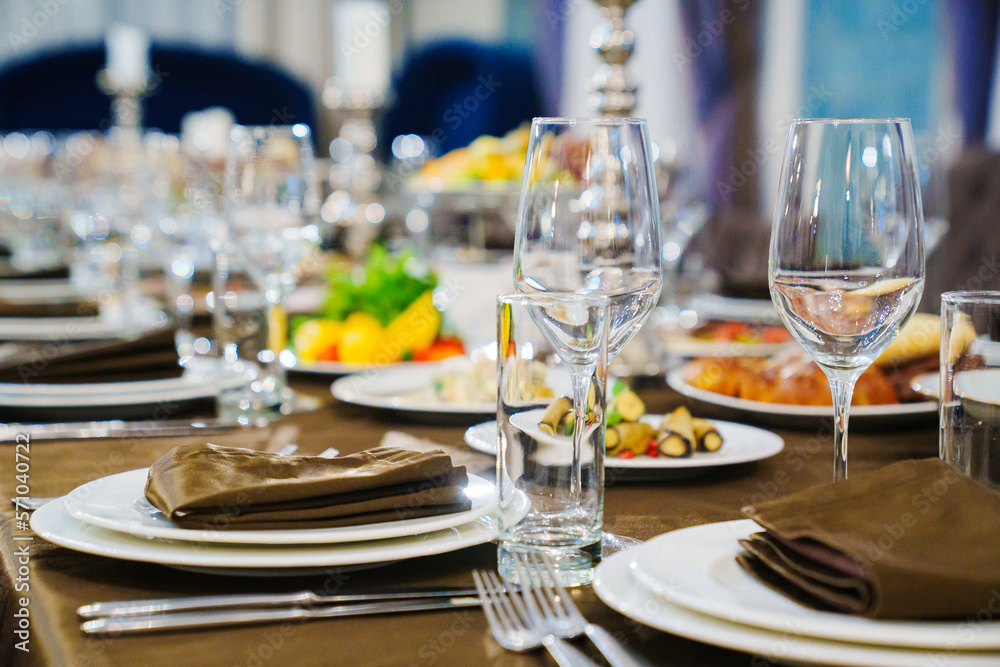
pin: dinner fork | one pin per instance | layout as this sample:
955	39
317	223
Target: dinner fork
512	627
552	609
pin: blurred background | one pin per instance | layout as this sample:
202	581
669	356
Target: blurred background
414	107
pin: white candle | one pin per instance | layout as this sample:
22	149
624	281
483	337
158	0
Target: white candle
127	56
362	44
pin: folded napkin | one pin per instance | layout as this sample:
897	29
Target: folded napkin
215	488
8	272
147	357
71	308
913	540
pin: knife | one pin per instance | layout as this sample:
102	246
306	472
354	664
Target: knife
258	600
216	618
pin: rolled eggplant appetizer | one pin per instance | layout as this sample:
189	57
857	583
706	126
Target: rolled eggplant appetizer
626	406
628	437
559	412
707	436
675	438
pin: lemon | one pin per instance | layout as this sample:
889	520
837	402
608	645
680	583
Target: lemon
361	339
277	329
314	337
415	328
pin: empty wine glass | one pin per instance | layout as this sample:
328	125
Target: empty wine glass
270	197
846	267
588	224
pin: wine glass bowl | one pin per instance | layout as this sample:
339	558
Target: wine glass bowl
589	216
846	265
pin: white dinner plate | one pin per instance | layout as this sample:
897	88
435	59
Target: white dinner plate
979	391
54	524
341	368
681	345
100	327
799	416
927	384
718	307
183	388
696	568
409	390
741	444
616	586
117	502
55	290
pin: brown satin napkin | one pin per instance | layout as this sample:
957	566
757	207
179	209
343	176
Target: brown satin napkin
215	488
913	540
72	308
8	272
147	357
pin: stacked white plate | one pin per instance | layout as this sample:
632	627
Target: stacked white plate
688	583
25	403
111	517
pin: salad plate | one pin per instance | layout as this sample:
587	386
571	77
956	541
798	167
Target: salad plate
452	387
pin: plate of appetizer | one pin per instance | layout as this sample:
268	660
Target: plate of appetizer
789	389
638	445
387	314
456	387
718	338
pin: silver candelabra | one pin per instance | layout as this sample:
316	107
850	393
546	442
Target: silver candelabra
613	90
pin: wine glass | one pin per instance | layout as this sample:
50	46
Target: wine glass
270	197
588	224
846	266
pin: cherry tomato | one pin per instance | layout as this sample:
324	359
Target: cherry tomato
774	335
329	354
730	330
626	455
442	348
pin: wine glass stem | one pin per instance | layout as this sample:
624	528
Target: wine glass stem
581	391
842	388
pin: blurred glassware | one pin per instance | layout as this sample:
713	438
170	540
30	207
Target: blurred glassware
31	197
271	203
969	389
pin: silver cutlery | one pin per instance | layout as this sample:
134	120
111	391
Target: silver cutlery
216	618
551	607
512	627
256	601
33	503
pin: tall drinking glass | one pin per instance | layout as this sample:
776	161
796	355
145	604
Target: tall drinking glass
270	198
550	455
588	222
846	266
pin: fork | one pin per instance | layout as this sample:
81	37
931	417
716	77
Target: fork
511	625
552	609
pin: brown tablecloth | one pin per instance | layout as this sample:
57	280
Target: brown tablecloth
61	580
